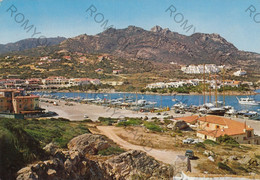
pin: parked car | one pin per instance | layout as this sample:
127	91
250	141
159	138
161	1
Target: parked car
85	116
188	141
189	154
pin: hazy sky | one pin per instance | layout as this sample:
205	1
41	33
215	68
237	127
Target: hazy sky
69	18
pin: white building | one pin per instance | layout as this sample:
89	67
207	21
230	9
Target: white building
240	73
199	69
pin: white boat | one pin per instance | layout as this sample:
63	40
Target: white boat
247	101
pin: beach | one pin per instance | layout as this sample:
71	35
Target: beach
79	110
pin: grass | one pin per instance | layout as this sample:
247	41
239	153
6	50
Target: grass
111	151
107	121
226	168
152	126
130	122
210	142
21	141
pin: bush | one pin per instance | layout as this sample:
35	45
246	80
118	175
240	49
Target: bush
130	122
152	126
210	142
227	140
111	151
226	167
200	145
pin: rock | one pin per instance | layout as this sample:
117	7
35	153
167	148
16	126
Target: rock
180	125
88	144
73	164
134	162
252	162
156	29
209	153
211	158
51	172
233	158
51	148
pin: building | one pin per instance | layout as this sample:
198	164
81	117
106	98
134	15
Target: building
240	73
18	102
199	69
213	127
117	71
99	70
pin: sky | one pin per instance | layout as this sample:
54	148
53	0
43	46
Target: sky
70	18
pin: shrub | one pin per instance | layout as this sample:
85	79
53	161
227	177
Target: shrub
226	167
152	126
111	151
210	142
227	140
200	145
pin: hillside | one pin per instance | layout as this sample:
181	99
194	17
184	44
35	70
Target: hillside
28	44
160	45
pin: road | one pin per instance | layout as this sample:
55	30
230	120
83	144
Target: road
165	156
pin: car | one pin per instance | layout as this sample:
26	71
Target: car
85	116
188	141
189	154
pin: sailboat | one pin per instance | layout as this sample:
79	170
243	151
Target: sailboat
247	101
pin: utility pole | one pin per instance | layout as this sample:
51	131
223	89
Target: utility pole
209	87
223	82
216	90
204	85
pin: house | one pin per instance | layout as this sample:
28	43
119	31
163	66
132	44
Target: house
44	58
67	57
79	81
16	101
240	73
99	70
117	71
191	120
213	127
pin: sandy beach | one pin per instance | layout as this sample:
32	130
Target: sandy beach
78	110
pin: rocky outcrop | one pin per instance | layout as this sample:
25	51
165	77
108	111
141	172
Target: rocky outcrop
80	162
160	45
88	144
135	164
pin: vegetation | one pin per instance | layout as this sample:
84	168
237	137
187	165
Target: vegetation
227	140
114	150
226	167
210	142
107	121
130	122
152	126
21	141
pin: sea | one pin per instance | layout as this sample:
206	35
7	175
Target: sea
165	100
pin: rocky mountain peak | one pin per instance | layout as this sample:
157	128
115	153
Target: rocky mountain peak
156	29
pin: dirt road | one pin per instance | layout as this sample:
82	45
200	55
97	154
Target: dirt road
166	156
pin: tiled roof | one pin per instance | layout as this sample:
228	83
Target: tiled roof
189	119
233	127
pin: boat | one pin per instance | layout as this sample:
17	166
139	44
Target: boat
216	111
247	101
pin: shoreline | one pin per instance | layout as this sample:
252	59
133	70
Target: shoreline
229	93
78	110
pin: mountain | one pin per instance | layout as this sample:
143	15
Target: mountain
29	44
159	45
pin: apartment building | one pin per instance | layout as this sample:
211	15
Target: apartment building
16	101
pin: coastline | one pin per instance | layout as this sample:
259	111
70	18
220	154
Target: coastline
228	93
78	110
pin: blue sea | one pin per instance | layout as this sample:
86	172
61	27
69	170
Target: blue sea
166	100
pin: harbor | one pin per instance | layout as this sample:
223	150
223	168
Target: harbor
180	104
